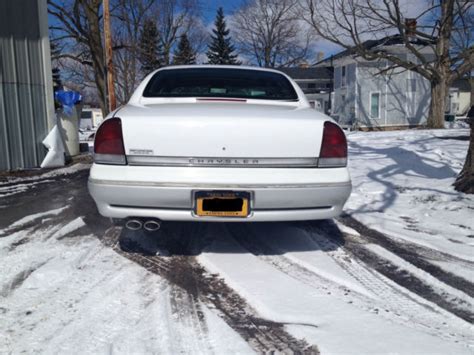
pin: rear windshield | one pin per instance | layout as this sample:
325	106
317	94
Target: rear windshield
220	82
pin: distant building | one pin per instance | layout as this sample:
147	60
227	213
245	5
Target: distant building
316	83
91	118
459	98
366	96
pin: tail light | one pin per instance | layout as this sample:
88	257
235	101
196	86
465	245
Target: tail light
108	144
333	148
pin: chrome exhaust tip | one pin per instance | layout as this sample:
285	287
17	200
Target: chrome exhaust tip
134	224
152	225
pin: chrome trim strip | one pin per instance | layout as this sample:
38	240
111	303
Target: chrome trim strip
142	160
243	187
255	209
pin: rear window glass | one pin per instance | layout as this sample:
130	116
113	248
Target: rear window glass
220	82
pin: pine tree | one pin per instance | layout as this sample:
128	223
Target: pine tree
221	50
149	50
185	53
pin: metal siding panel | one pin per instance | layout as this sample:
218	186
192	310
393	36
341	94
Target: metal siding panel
13	126
2	54
40	124
28	134
4	156
23	100
21	60
35	62
39	99
29	137
8	60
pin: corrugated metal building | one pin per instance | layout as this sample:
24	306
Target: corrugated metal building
26	97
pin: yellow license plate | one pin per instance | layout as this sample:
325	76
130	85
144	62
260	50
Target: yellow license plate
222	203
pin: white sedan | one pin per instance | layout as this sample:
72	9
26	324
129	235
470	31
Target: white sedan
218	143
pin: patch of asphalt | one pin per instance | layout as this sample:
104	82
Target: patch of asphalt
400	276
181	269
414	254
25	175
61	191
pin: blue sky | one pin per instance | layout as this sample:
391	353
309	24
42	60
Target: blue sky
209	7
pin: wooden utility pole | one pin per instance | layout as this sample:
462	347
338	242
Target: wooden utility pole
112	103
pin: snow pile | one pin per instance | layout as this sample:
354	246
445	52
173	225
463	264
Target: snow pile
402	186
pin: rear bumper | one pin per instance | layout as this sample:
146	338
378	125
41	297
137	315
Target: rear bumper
277	194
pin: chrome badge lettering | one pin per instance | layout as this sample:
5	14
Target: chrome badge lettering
222	161
141	151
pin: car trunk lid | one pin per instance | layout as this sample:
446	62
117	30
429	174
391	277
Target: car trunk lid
221	130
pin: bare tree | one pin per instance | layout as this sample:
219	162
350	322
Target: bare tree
129	16
348	23
270	32
445	29
172	18
77	26
465	179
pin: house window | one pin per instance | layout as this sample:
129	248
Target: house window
343	99
343	76
375	105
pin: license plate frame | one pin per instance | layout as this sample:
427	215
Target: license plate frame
200	196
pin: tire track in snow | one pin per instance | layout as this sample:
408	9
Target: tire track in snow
441	296
188	311
184	272
391	302
412	252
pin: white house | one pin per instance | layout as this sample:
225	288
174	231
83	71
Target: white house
366	96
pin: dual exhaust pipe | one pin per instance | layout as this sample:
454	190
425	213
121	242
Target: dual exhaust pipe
150	225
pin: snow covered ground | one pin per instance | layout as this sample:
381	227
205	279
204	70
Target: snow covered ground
402	186
394	275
